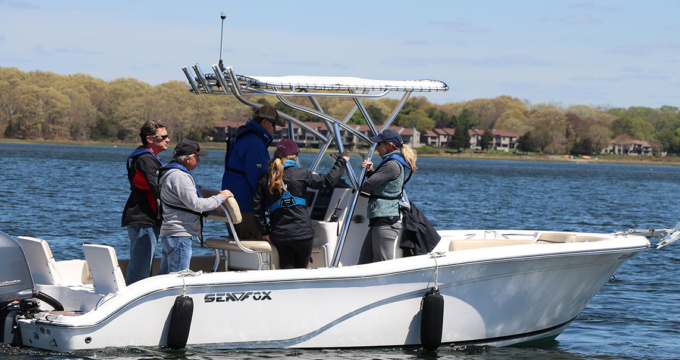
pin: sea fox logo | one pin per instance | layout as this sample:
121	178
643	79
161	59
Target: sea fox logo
237	296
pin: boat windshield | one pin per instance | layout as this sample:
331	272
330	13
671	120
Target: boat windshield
327	162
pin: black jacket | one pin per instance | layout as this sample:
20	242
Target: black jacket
291	223
419	235
141	206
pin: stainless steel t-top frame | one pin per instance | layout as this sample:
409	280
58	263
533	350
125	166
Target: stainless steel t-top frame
241	86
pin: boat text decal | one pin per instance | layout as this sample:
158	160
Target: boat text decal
237	296
10	283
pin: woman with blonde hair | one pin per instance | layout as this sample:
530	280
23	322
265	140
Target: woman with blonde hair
282	191
384	187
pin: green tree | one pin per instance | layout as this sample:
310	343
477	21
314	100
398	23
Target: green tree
460	139
467	119
416	119
441	118
487	140
374	112
670	140
526	143
514	121
582	147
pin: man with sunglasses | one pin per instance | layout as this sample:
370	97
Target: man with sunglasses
140	214
246	161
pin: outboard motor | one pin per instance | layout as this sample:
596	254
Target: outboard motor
16	286
16	282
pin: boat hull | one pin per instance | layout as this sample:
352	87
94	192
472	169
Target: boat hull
500	296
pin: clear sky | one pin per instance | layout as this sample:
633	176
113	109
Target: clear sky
616	53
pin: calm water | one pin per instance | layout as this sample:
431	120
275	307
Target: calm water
68	195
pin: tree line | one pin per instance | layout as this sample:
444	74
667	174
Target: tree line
44	105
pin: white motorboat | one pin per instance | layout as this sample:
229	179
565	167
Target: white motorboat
475	287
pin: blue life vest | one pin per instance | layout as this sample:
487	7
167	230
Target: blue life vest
174	165
140	152
394	156
287	199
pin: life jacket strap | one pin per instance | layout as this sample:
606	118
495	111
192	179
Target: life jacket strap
287	200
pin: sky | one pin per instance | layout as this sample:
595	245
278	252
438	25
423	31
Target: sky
606	53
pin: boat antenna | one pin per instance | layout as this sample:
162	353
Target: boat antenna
223	16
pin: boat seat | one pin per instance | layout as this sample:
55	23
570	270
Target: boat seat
268	257
555	238
230	204
107	276
586	238
46	271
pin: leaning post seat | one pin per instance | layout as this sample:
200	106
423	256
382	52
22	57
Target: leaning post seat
268	256
229	212
230	204
107	276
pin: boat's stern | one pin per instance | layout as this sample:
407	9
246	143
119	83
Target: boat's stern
16	287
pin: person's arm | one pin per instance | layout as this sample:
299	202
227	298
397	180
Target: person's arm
383	174
318	181
186	192
259	209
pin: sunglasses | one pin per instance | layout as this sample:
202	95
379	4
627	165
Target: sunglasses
160	136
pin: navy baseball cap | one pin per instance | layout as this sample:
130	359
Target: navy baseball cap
188	147
390	136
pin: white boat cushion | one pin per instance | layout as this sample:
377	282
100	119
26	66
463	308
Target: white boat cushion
107	276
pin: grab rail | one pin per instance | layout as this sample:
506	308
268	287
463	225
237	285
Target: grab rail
260	260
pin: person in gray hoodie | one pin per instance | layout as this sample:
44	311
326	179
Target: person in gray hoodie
183	206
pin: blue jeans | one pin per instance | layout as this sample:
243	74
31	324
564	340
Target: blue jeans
143	239
176	254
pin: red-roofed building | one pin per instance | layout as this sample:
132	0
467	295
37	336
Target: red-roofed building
437	137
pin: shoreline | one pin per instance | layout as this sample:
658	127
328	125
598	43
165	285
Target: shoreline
602	159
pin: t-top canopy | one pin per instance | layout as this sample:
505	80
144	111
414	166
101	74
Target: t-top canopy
342	83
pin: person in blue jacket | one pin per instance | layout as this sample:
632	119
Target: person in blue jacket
246	161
